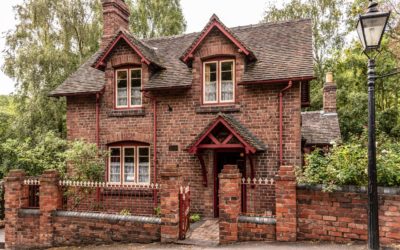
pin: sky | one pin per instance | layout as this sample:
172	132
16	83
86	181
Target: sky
196	12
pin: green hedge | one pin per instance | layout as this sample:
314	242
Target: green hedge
347	165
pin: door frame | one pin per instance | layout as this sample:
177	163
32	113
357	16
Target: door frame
215	174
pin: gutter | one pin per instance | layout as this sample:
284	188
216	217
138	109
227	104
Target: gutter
154	144
281	121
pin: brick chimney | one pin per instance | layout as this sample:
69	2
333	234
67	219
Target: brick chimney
115	17
329	94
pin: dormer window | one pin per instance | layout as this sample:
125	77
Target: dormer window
218	82
128	88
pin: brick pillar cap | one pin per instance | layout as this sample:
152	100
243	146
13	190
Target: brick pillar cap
230	172
170	170
15	174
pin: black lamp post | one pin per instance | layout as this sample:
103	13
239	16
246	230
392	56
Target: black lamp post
370	29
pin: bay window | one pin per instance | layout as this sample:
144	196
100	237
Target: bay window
218	81
129	164
128	88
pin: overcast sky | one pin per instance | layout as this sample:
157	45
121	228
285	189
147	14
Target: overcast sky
197	13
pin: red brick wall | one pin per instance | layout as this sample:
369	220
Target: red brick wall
256	232
69	231
342	216
258	112
27	228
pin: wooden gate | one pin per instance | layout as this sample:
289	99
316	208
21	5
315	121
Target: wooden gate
184	211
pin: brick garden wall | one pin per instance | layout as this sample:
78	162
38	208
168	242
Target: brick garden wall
256	229
73	228
341	216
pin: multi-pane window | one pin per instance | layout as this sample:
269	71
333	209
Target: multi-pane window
128	88
219	84
129	164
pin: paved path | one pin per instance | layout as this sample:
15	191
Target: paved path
242	246
203	233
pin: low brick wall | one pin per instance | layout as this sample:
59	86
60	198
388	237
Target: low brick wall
256	228
341	216
75	228
27	227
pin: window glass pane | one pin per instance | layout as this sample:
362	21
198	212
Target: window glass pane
144	165
122	88
136	85
210	86
129	164
227	81
115	165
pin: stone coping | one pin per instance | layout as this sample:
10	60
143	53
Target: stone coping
110	217
29	211
257	220
352	189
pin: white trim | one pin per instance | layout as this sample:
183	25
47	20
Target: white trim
220	81
204	82
109	165
130	87
149	167
123	164
116	88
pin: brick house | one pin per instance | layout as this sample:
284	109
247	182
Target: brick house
198	101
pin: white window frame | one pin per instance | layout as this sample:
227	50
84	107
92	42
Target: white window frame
129	88
122	162
219	82
109	165
204	82
137	179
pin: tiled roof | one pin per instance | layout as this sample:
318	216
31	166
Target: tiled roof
320	128
241	130
85	80
283	51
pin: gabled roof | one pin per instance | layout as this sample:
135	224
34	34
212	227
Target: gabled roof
319	128
284	51
146	53
215	23
250	142
85	80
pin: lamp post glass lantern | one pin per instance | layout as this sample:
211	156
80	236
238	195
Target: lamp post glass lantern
370	28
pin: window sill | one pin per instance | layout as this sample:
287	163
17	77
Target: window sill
216	109
126	112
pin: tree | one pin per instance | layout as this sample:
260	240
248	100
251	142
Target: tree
51	39
328	33
155	18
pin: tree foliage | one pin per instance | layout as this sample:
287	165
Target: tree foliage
155	18
328	33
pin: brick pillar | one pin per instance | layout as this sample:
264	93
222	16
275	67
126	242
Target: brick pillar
169	195
49	201
16	197
229	203
286	208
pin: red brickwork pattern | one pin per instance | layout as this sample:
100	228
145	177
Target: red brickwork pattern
256	232
79	231
342	216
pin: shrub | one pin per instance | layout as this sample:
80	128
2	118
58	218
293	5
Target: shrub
347	165
195	218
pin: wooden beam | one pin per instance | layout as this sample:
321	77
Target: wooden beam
204	170
212	137
227	139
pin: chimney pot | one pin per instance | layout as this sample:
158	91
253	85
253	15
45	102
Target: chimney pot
329	94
